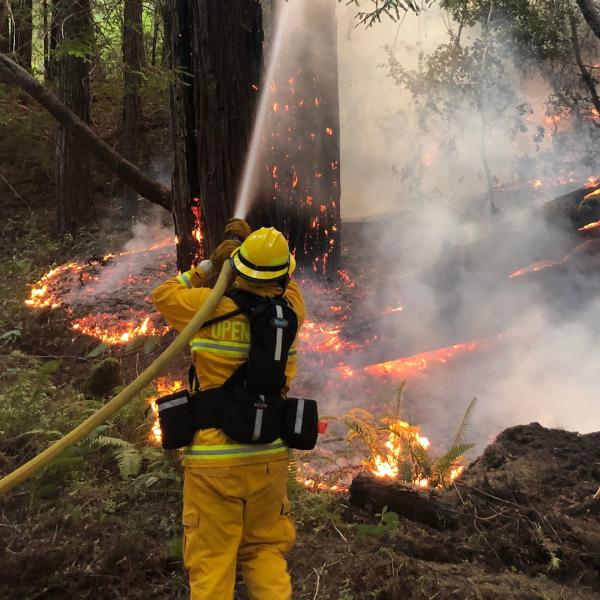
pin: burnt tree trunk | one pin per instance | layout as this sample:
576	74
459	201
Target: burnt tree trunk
75	208
216	52
131	117
303	146
424	507
23	30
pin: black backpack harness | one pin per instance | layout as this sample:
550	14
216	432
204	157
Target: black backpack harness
249	406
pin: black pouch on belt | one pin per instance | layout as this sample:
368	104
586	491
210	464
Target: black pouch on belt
300	424
252	418
176	420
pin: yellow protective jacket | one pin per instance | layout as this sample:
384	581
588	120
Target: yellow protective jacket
217	351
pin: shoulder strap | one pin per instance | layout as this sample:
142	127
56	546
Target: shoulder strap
245	301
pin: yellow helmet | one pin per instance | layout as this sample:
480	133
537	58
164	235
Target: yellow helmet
263	256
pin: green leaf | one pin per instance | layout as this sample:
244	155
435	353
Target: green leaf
151	343
97	351
50	367
134	344
10	336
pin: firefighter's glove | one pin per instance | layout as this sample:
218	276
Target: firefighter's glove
237	229
222	253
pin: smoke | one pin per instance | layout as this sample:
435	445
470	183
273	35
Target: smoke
432	245
154	231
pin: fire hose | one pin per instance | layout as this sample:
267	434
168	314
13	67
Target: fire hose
123	397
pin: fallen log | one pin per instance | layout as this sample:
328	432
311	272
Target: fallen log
129	174
422	506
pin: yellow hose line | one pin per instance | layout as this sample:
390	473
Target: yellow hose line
135	387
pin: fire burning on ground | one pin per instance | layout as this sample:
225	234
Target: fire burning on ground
91	294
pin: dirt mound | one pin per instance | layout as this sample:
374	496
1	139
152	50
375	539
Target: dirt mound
528	506
531	499
551	469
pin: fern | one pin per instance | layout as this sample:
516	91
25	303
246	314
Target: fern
422	459
399	399
458	438
129	461
407	451
129	458
106	441
443	466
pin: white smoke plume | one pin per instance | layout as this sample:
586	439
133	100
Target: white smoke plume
544	366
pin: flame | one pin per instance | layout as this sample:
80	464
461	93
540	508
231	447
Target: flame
392	309
324	338
73	282
412	365
403	436
592	181
116	332
595	195
163	387
589	226
40	296
537	266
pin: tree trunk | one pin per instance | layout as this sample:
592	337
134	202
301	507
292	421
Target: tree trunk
586	76
122	168
53	35
303	150
133	58
155	29
591	13
22	12
374	494
4	28
46	24
75	208
216	51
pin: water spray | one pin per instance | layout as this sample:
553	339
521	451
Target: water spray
248	185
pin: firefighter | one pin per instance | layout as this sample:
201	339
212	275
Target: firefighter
235	504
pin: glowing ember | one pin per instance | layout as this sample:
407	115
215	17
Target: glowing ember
412	365
589	226
77	285
40	295
537	266
163	387
592	181
346	278
595	195
392	309
112	331
553	181
324	338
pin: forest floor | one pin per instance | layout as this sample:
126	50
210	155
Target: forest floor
103	522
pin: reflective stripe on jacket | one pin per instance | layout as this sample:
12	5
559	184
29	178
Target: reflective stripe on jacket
217	351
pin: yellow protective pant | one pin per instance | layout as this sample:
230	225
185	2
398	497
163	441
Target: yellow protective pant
237	512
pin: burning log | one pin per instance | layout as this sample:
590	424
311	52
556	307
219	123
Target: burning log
424	507
575	209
